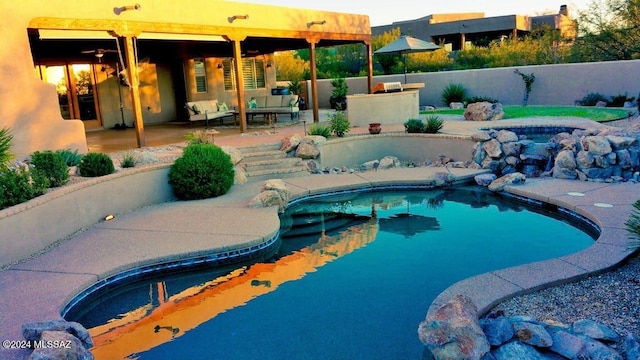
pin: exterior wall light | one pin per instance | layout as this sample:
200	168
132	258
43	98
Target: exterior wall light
238	17
220	66
121	9
316	22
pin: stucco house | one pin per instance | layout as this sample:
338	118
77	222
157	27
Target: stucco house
69	66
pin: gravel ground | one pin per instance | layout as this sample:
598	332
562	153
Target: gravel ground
611	298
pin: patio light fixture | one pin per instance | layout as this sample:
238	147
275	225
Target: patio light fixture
238	17
121	9
316	22
220	66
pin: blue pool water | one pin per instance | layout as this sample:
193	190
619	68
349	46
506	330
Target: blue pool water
353	277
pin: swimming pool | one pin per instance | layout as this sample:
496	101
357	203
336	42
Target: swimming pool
353	277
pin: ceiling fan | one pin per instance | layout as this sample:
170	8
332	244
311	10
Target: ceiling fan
99	53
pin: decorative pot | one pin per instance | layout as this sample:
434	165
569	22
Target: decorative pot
374	128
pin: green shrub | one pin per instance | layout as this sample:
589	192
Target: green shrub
339	123
52	166
5	147
434	124
203	171
96	164
199	137
319	130
414	126
477	99
453	93
633	227
128	160
70	157
18	185
591	99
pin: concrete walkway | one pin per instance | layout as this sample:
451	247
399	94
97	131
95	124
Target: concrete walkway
39	288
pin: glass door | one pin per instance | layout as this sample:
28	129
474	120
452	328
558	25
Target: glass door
75	84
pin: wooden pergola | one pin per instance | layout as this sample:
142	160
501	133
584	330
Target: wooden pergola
239	38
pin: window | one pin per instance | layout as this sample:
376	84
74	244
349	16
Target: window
252	72
200	73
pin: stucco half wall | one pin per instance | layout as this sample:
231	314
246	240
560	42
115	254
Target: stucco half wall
386	108
415	148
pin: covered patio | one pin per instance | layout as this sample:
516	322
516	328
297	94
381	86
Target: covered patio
153	44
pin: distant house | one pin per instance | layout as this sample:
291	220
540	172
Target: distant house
70	66
456	31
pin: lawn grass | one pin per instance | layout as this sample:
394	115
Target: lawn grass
514	112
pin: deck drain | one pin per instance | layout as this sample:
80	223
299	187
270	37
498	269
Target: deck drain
574	193
603	205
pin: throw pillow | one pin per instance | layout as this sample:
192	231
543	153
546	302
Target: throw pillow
196	109
293	102
253	104
223	106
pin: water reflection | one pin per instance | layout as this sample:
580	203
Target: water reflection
169	317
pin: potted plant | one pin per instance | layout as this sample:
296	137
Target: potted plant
338	98
375	128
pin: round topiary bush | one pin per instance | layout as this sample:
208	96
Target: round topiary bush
52	166
203	171
96	164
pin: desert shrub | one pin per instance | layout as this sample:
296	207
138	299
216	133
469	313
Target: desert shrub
52	166
339	123
453	93
70	157
414	126
128	160
96	164
203	171
433	125
477	99
591	99
199	137
619	100
319	130
5	147
18	184
633	226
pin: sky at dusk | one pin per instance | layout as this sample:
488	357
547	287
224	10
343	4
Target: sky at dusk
386	12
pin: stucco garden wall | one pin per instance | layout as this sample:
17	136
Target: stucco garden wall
32	226
561	84
416	148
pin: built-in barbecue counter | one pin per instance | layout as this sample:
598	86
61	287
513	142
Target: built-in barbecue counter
391	103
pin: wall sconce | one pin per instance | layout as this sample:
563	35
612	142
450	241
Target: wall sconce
238	17
121	9
269	64
220	66
316	22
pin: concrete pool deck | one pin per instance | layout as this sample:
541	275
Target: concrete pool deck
39	288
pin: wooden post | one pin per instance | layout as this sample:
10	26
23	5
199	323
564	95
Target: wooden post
369	67
132	73
237	68
314	79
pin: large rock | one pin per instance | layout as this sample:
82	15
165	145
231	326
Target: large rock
308	147
290	143
240	175
595	330
453	331
236	155
388	162
278	185
266	199
566	159
532	334
33	331
483	111
498	330
510	179
60	345
597	145
484	179
493	148
505	136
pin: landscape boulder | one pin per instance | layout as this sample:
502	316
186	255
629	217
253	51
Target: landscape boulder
483	111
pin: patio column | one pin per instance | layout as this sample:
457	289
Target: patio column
237	69
314	78
369	67
132	74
